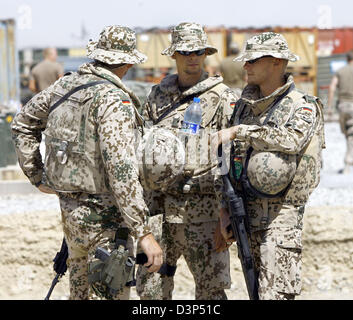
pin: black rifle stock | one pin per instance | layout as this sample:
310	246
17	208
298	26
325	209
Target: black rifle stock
59	267
238	225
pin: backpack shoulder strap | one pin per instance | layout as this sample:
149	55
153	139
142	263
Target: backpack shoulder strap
66	96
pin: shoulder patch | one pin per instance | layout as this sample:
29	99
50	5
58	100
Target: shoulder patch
307	109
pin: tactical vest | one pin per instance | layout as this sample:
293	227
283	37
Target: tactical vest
197	176
308	161
73	161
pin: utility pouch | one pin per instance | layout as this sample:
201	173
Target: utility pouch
112	271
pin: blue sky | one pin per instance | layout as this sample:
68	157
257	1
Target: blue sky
58	23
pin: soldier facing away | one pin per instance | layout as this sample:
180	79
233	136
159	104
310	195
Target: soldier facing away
90	157
343	81
189	206
277	134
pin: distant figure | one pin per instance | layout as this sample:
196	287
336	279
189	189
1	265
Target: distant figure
343	80
45	72
232	71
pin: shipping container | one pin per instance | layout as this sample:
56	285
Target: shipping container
334	41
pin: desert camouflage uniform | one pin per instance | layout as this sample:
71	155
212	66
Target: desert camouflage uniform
190	217
295	128
91	211
190	206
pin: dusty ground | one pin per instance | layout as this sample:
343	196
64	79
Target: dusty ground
29	242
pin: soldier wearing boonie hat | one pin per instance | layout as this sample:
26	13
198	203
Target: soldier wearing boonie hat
116	44
189	37
89	120
276	159
189	205
267	44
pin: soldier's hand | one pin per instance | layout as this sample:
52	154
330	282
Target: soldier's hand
224	225
45	189
153	252
224	136
219	243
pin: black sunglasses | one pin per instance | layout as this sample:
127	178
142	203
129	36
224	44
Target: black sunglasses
188	53
255	60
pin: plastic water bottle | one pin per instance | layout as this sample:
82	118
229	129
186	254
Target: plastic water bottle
192	118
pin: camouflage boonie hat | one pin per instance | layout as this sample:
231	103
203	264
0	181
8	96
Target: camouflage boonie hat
267	44
116	44
189	37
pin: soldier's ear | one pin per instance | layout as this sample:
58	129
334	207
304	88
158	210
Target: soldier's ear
279	61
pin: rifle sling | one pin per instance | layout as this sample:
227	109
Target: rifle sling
174	107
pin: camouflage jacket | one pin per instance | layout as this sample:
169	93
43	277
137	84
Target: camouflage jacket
192	198
294	128
112	123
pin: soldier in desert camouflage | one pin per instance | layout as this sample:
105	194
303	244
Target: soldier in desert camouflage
90	157
277	134
190	207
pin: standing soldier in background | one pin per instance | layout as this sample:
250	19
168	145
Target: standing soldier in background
46	72
278	134
190	205
90	157
233	73
343	80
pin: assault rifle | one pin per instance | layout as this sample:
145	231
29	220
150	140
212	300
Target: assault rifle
239	227
59	266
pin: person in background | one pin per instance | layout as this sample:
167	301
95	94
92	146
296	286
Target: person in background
343	81
233	73
45	72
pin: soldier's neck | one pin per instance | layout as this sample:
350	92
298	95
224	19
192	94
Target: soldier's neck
188	80
271	86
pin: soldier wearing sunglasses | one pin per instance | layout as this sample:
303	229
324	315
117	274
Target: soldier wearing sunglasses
190	207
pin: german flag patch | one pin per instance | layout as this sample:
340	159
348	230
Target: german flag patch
126	101
232	104
307	109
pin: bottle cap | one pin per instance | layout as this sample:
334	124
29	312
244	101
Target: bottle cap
197	100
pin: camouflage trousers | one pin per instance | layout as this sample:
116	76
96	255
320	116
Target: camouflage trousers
277	251
195	242
346	123
83	237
